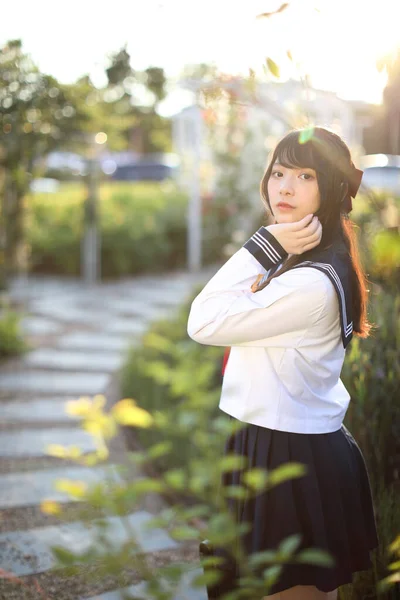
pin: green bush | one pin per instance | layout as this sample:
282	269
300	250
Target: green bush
11	339
143	229
371	374
159	373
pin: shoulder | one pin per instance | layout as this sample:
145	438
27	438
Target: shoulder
304	286
304	277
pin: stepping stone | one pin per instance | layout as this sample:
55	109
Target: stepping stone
67	313
54	382
52	409
34	442
94	341
126	326
184	590
29	552
32	487
66	360
39	326
135	308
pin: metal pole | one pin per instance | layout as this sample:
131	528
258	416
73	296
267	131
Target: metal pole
194	210
91	240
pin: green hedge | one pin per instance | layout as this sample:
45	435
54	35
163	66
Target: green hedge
11	338
143	229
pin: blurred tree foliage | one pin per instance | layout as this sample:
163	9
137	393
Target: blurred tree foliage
36	115
39	115
383	136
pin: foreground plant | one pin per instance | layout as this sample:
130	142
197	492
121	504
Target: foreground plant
210	518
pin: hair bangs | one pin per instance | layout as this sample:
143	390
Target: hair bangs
291	153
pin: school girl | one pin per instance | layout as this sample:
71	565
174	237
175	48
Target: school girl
287	305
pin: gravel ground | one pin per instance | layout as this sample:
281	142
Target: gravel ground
28	517
58	586
32	463
18	425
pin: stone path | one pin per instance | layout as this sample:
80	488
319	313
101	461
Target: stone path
79	336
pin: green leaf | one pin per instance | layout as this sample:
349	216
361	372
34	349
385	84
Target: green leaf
272	574
256	478
306	134
259	558
273	67
175	478
160	449
232	462
185	532
207	579
290	544
145	486
288	471
66	557
316	557
235	491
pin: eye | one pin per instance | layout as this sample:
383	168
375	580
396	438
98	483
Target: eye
276	173
308	176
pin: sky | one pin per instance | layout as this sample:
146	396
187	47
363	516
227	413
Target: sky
336	42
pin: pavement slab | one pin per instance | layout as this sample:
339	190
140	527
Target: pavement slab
184	590
125	326
37	410
29	552
34	442
54	382
32	487
39	326
96	341
65	360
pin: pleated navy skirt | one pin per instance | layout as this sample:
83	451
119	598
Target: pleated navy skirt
331	506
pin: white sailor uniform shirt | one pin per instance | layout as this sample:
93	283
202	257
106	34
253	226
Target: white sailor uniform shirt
288	340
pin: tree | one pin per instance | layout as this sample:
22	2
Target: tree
36	115
151	131
391	101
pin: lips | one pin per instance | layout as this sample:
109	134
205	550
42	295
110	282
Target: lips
284	205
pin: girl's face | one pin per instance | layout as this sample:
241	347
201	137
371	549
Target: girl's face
295	187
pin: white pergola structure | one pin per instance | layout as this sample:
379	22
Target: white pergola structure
189	138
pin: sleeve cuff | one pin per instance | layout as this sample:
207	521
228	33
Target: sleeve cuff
265	248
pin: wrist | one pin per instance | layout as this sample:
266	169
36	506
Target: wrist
265	248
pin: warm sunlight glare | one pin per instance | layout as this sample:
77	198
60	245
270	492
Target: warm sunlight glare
337	43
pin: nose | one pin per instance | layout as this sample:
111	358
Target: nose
286	187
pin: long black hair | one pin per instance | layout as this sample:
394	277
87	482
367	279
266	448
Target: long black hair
324	151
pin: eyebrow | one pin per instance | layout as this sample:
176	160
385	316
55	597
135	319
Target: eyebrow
277	164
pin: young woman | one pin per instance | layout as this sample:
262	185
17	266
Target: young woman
287	304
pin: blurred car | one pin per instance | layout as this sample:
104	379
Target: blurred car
381	172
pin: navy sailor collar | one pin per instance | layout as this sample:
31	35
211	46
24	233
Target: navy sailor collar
335	262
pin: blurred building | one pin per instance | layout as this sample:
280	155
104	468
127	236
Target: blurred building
267	114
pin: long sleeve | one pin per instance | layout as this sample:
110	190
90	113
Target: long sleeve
227	313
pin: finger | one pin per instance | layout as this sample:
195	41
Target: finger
309	247
316	235
299	225
309	230
313	241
